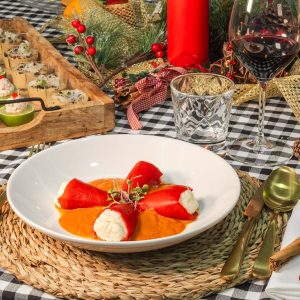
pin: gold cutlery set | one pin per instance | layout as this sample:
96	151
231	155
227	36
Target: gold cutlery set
280	193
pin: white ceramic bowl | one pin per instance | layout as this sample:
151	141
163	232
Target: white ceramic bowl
33	187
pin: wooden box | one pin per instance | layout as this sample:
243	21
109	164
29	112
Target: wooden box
96	116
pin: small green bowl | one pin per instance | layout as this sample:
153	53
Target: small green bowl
16	119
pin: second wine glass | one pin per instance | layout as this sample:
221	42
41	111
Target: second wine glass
265	38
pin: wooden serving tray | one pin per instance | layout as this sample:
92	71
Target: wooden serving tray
96	116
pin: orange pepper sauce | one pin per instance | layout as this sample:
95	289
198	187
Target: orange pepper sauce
150	224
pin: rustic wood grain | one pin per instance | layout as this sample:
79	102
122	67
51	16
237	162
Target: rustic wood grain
96	116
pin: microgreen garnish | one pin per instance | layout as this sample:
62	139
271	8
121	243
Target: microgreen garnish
131	196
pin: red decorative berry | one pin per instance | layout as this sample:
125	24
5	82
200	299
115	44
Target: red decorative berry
162	46
281	32
154	64
232	62
1	77
159	54
230	76
71	39
229	47
265	31
78	50
90	40
14	95
81	28
76	23
156	47
91	51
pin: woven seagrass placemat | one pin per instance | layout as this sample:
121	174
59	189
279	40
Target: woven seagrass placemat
187	271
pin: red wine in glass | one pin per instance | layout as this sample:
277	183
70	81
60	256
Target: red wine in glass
265	56
265	36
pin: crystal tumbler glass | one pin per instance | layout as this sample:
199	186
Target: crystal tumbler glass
202	105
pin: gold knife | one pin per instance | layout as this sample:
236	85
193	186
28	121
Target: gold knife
233	263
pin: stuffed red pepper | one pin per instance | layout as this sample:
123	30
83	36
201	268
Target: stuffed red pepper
116	223
142	173
175	201
78	194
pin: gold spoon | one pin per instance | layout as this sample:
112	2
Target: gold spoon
281	194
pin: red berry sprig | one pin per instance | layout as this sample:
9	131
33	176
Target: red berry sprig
158	49
86	42
84	45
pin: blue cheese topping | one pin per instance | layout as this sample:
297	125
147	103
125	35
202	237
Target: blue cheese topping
22	51
70	96
32	67
45	82
8	36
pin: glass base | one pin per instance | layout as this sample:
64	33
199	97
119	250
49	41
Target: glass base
268	153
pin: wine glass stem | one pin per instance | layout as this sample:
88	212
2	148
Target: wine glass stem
260	140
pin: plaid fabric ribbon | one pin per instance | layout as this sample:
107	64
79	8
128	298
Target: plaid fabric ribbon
153	90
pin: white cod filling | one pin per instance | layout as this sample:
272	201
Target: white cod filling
110	227
189	202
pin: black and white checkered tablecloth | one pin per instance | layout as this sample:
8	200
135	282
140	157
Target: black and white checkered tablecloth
280	124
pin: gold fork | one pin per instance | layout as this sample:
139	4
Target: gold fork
33	150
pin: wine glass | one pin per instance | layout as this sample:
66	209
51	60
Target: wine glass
264	35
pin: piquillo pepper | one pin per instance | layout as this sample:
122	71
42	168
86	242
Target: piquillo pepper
167	202
142	173
78	194
110	227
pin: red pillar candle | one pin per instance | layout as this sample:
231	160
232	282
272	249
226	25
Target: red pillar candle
188	30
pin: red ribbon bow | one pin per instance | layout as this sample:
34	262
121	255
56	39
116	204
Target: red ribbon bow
153	90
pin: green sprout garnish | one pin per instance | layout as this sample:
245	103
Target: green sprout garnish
41	83
133	195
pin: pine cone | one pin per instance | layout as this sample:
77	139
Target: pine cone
296	149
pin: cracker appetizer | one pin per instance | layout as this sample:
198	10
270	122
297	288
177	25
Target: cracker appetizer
67	97
20	54
44	86
8	40
26	72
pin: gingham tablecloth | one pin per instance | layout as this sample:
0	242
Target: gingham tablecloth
280	124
